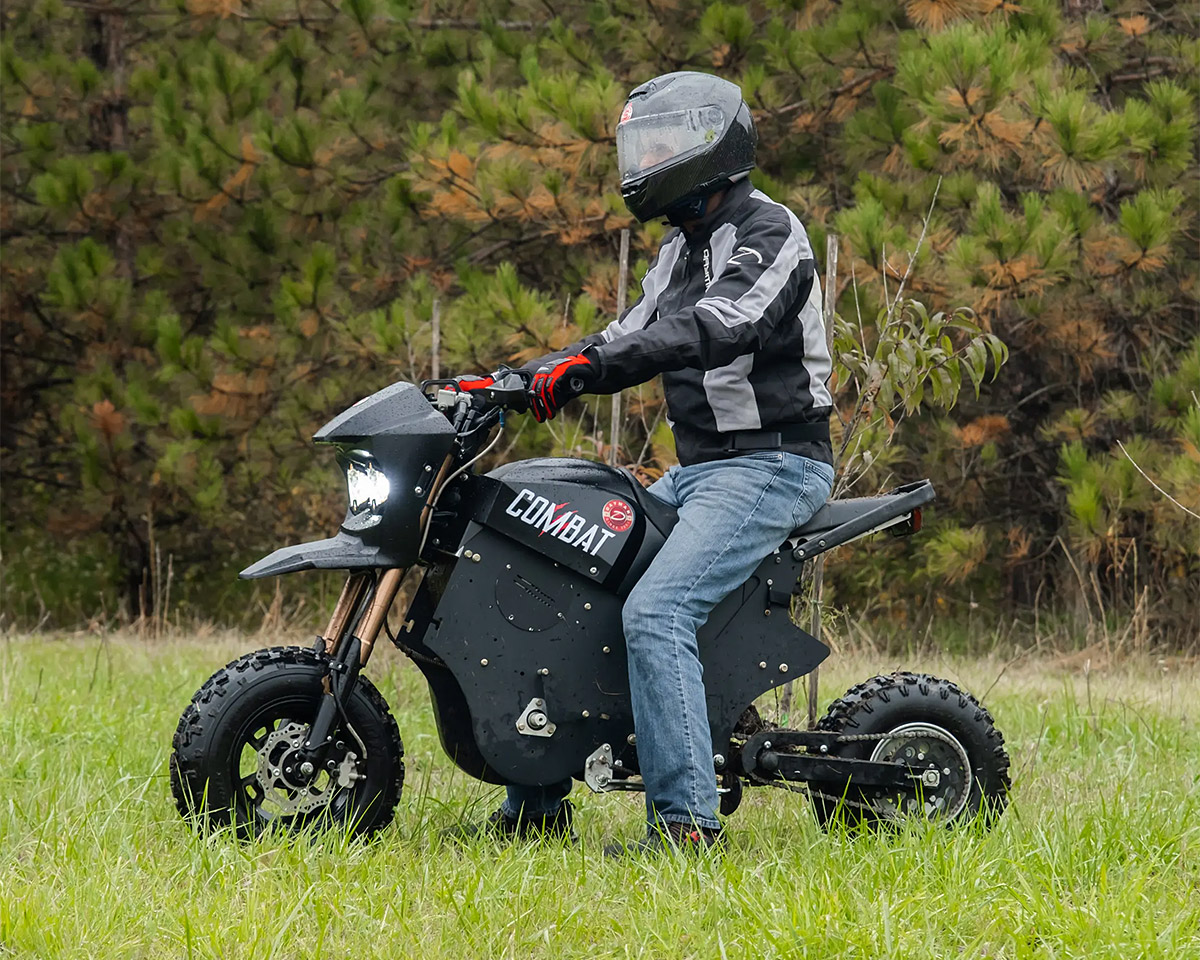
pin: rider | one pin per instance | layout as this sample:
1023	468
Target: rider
730	315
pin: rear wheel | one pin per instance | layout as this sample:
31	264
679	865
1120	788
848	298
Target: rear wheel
923	722
236	750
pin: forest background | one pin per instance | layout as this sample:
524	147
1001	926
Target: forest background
224	221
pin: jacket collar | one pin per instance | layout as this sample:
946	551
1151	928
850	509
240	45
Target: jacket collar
735	196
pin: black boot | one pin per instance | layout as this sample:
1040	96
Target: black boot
500	826
670	838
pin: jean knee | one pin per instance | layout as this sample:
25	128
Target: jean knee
639	616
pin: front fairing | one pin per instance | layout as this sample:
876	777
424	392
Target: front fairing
395	431
341	552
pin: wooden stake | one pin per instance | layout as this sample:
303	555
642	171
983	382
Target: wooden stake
150	573
436	322
831	258
785	700
166	611
157	623
614	439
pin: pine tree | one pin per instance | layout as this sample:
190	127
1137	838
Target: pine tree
208	239
223	223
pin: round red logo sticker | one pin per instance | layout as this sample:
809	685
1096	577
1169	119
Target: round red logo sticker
618	515
626	113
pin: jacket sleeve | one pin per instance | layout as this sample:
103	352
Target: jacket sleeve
633	319
769	272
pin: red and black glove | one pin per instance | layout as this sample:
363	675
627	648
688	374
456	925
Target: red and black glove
557	382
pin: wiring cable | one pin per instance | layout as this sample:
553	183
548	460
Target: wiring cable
454	476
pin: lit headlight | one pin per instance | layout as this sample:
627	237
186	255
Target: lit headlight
367	485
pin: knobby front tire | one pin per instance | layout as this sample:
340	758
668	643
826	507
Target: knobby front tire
225	736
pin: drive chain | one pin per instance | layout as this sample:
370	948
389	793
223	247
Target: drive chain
857	738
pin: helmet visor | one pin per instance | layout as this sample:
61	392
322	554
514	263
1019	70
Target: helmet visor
647	143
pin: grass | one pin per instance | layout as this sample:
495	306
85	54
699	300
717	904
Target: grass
1098	855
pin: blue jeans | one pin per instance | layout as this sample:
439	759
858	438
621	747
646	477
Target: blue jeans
732	514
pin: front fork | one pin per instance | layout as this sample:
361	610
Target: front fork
350	636
349	640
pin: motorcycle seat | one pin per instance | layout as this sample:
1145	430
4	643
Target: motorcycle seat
834	513
839	521
849	517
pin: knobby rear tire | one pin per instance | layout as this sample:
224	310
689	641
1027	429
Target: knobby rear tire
212	735
882	704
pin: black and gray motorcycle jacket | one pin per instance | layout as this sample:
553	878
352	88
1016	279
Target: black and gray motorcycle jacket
730	315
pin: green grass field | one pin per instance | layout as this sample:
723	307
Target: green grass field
1098	855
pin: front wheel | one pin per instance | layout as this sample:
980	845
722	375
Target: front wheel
926	723
235	759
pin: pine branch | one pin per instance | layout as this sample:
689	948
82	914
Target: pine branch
1150	480
877	74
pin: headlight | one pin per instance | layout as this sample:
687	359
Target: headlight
367	485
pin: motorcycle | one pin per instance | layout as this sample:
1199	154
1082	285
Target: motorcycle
514	582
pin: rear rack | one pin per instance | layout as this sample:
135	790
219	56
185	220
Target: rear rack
841	521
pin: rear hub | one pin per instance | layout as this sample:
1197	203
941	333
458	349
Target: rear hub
944	785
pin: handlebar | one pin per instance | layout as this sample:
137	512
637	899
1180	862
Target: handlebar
473	413
512	392
508	393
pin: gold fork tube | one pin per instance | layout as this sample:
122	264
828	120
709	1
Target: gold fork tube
351	597
385	590
372	621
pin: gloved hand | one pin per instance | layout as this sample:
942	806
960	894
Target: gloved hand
557	382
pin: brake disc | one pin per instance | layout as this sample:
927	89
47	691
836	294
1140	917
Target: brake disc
279	773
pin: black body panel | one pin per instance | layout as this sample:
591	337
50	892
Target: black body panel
588	473
450	710
399	410
543	630
608	546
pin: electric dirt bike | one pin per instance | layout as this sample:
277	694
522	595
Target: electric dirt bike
513	584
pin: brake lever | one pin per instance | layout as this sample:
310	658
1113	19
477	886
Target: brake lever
575	383
424	386
509	392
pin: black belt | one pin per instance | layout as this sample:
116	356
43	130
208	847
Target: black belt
775	439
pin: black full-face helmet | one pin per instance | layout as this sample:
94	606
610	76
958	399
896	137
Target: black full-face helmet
681	137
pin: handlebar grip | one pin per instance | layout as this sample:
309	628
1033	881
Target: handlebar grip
576	384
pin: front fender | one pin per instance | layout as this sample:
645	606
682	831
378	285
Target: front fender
343	552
